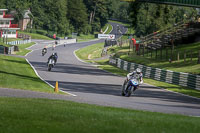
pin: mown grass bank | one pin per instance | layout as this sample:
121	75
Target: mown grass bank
36	36
188	66
109	26
22	48
17	73
49	116
91	51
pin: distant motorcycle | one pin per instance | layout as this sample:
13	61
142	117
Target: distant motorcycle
51	64
129	86
44	51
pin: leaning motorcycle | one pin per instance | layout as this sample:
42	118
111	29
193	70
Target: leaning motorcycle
51	64
130	85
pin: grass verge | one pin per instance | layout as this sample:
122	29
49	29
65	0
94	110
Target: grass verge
187	66
109	28
22	48
17	73
104	64
49	116
91	52
176	88
36	36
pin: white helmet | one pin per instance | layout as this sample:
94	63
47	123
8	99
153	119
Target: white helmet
138	71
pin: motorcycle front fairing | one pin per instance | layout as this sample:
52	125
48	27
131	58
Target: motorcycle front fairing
132	82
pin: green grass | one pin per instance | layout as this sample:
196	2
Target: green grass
17	73
92	51
22	48
5	45
49	116
178	66
36	36
83	38
109	28
104	64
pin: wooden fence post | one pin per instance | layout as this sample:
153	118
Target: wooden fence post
185	56
143	51
199	58
178	58
171	55
161	53
156	53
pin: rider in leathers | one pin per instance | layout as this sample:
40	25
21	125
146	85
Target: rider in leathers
137	73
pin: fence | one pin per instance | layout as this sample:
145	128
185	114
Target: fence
19	42
178	78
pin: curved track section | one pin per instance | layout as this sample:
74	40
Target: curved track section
95	86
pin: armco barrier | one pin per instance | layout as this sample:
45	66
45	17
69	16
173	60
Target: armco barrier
178	78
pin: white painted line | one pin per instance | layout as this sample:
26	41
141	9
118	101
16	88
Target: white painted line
30	49
77	56
105	30
111	30
68	93
46	81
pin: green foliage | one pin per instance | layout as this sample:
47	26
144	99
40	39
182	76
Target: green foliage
63	16
120	10
99	11
78	16
147	18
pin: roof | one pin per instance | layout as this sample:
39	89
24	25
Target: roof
6	18
3	9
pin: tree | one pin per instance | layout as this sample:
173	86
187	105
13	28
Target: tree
77	14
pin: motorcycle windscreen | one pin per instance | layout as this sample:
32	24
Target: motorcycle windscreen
134	82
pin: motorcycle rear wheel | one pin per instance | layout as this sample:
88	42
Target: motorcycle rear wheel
49	68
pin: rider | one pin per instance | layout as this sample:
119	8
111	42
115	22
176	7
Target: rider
44	49
137	73
54	56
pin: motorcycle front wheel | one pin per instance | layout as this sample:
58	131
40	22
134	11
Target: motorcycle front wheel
49	68
128	91
123	88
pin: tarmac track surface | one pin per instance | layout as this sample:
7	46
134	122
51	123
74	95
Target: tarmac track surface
95	86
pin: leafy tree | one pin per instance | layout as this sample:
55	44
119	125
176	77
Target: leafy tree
147	17
77	15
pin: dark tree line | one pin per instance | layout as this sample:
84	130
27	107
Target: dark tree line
147	18
64	16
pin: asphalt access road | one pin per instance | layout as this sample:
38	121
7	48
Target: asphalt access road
95	86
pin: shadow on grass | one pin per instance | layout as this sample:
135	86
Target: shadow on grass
22	76
15	61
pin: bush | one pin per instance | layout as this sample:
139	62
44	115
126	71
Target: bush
42	32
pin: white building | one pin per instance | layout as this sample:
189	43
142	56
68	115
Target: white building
6	28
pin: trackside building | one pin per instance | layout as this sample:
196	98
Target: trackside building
7	29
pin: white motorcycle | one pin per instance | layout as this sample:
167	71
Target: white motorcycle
51	64
130	85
